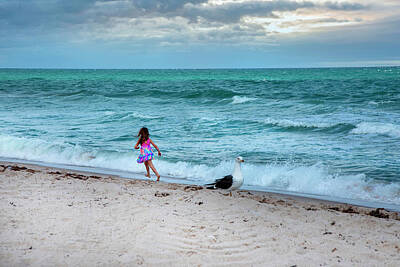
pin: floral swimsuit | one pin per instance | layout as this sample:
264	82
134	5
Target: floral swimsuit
145	152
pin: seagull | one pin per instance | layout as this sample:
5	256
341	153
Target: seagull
231	182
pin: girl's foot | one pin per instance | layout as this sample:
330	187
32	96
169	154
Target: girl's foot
158	178
147	175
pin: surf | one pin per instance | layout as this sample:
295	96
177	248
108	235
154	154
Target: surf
316	179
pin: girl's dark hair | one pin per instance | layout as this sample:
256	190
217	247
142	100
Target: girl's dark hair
143	135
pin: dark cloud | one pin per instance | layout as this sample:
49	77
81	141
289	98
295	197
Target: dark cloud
344	6
233	12
163	6
233	34
32	13
35	21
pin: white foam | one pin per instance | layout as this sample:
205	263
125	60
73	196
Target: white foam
128	115
380	102
62	153
140	116
315	179
388	129
290	123
241	99
210	121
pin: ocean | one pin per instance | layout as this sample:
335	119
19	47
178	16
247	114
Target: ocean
331	133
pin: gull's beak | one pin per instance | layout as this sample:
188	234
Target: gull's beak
242	160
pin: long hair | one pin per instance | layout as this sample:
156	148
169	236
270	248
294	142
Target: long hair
143	135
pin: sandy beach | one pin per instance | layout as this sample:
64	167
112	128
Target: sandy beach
57	217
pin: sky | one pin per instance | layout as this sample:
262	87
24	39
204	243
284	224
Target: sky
138	34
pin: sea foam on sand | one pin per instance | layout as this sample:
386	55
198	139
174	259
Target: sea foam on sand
54	217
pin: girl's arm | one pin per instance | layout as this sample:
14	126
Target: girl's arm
151	141
137	144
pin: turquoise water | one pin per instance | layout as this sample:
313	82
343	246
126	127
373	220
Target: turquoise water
331	132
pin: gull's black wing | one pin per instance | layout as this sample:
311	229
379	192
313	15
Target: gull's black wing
224	183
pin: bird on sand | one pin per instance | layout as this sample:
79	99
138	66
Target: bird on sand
232	181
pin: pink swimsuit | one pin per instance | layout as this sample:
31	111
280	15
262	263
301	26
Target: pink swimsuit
145	152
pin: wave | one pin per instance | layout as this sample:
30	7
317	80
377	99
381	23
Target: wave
291	125
318	179
138	115
64	153
380	102
241	99
387	129
296	124
173	91
127	115
206	93
310	179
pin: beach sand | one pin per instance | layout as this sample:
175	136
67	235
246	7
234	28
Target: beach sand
57	217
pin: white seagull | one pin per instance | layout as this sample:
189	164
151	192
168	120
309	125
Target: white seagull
233	181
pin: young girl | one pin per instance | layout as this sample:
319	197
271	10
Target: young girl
146	154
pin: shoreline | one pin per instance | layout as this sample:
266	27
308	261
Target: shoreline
173	180
260	196
53	216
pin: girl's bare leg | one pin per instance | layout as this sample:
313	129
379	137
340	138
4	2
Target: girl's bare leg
154	169
147	169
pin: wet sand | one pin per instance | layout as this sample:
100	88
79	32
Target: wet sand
57	217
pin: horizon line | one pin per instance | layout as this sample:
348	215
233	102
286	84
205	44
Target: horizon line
216	68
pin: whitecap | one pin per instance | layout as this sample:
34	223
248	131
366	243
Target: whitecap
241	99
290	123
380	102
388	129
140	116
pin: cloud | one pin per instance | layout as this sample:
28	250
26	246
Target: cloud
344	6
314	22
295	30
163	6
53	13
232	12
169	22
33	13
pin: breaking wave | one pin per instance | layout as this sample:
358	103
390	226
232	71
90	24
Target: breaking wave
242	99
312	179
387	129
299	124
